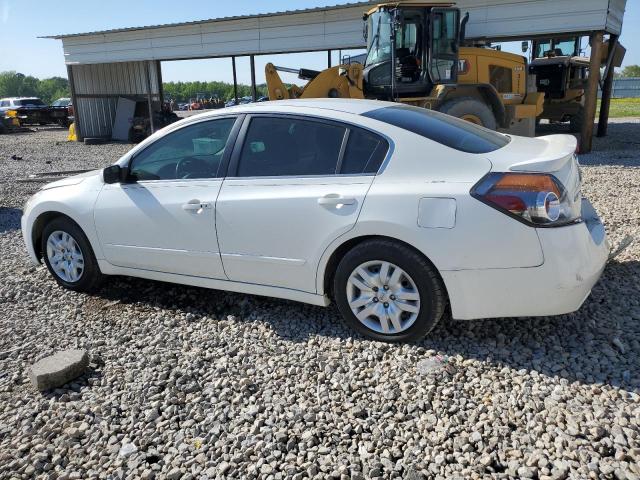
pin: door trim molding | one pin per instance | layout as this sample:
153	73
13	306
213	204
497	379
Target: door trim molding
296	262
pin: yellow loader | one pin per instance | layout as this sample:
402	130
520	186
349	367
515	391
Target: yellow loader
415	56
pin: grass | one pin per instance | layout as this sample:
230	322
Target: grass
623	107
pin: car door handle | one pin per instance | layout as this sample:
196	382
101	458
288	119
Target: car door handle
334	199
195	206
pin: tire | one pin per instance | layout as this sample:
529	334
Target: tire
420	277
469	106
576	121
87	279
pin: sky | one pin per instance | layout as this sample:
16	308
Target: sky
23	21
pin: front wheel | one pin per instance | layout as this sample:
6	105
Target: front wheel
69	257
389	292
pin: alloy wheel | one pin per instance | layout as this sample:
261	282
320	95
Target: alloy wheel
383	297
65	256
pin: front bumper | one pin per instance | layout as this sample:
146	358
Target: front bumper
574	258
27	228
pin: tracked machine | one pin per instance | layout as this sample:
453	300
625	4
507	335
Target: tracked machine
416	54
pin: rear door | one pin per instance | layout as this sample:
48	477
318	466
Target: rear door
295	184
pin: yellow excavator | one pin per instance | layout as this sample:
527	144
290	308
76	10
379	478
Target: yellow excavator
415	55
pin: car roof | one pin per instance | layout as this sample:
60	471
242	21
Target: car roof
346	105
20	98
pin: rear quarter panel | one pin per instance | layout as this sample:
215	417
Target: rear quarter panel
481	237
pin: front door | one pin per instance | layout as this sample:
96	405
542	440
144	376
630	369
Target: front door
164	219
296	184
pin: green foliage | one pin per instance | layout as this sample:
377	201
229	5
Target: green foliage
631	71
185	91
14	84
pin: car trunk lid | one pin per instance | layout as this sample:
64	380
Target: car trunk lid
552	154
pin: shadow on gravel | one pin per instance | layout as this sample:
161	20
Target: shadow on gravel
9	219
68	391
578	347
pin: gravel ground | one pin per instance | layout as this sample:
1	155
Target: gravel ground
192	383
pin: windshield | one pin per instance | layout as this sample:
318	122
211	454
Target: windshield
378	38
557	47
29	101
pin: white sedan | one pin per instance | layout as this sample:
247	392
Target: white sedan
396	213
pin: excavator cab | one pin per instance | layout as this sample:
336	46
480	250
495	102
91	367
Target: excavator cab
410	49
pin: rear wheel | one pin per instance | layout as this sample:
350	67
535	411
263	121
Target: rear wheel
388	292
471	110
69	256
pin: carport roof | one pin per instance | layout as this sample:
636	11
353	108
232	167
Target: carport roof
213	20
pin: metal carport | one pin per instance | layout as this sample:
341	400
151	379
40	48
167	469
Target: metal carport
103	66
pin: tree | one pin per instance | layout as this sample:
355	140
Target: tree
50	89
631	71
14	84
10	84
185	91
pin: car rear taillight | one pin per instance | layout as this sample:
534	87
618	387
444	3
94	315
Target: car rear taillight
534	198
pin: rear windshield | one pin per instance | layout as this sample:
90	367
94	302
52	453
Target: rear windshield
29	101
444	129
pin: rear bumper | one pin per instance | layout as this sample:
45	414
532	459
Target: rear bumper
574	258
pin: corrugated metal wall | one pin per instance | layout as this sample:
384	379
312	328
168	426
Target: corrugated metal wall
624	88
97	88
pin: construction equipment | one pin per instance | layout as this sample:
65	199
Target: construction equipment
562	71
415	56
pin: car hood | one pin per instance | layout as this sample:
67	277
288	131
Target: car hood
74	180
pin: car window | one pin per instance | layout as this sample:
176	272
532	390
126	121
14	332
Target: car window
36	102
276	146
365	152
194	151
61	102
4	103
444	129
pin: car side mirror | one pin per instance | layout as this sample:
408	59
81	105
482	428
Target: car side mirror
114	174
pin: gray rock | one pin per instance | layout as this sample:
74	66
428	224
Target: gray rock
174	474
58	369
127	450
